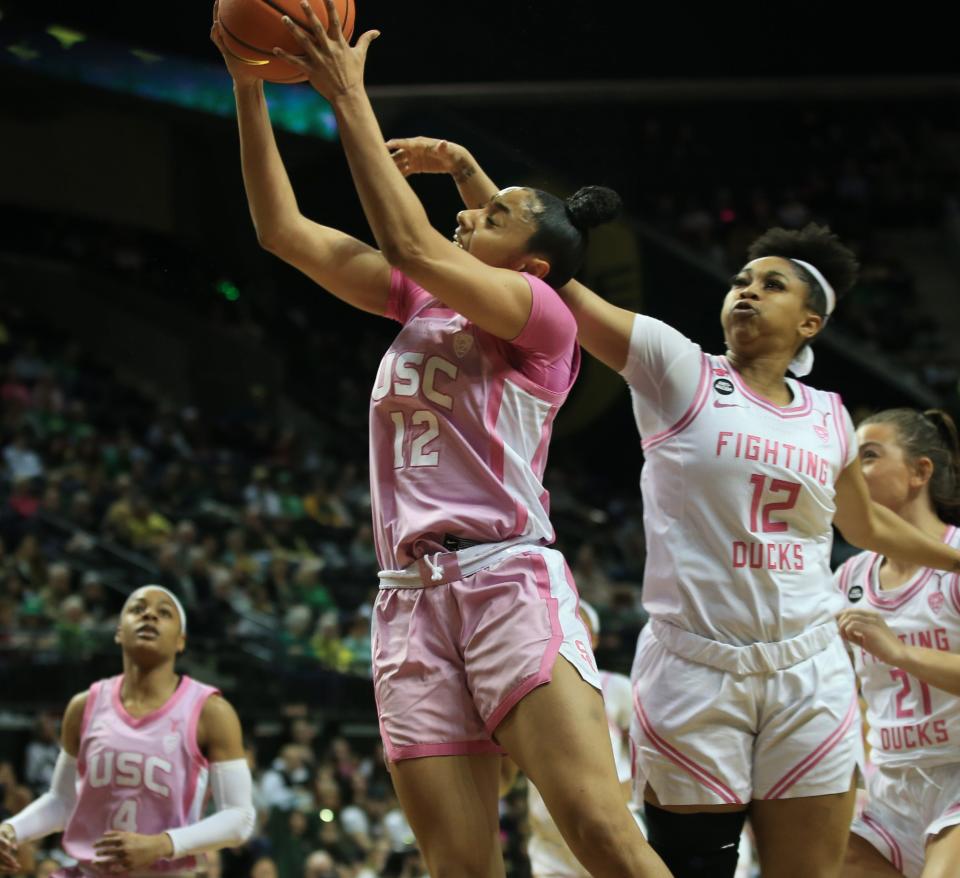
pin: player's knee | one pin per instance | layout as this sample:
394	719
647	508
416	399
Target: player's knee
460	857
703	845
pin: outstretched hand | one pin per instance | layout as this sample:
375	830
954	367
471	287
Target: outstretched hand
424	155
238	68
8	849
331	65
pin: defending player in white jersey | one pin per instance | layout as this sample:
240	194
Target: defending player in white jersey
138	751
744	696
903	623
477	647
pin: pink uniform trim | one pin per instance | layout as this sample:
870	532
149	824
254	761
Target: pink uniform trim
844	579
200	761
841	424
494	401
699	400
135	722
898	597
801	410
545	674
817	756
697	772
436	312
955	592
896	858
451	748
507	372
93	694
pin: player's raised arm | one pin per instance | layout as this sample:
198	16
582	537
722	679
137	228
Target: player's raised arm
866	524
478	274
348	268
602	328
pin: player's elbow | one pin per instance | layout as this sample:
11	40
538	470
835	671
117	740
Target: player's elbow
245	825
859	531
271	239
404	253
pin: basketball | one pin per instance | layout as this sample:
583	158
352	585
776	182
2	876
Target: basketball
251	28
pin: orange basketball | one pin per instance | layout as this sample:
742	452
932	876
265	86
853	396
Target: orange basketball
251	28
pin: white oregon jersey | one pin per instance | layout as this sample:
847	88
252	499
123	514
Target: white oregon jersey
548	852
738	493
911	723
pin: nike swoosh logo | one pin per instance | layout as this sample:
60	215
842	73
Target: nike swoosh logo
726	405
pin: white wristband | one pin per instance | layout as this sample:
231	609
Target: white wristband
232	824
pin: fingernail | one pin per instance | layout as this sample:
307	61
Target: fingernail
285	19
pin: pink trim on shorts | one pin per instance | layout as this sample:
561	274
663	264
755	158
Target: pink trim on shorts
545	674
699	400
436	312
452	748
837	405
896	858
697	772
817	756
801	410
416	751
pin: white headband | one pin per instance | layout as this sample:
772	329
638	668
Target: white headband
820	279
592	615
176	602
802	364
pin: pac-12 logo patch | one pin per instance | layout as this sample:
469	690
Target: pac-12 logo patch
462	342
935	599
724	386
854	593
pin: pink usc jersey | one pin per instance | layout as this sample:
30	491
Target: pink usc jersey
738	493
460	425
141	775
911	723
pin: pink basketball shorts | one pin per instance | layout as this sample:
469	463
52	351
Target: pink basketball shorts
459	640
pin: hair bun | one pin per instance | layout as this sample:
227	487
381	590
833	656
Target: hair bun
592	206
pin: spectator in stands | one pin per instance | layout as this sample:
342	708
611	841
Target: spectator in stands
41	755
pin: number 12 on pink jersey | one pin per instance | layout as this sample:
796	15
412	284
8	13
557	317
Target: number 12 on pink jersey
760	516
418	456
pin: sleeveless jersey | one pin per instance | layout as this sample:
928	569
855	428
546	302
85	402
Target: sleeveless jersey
143	775
460	425
911	723
738	493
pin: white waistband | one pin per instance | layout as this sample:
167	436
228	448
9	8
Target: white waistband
442	567
754	658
